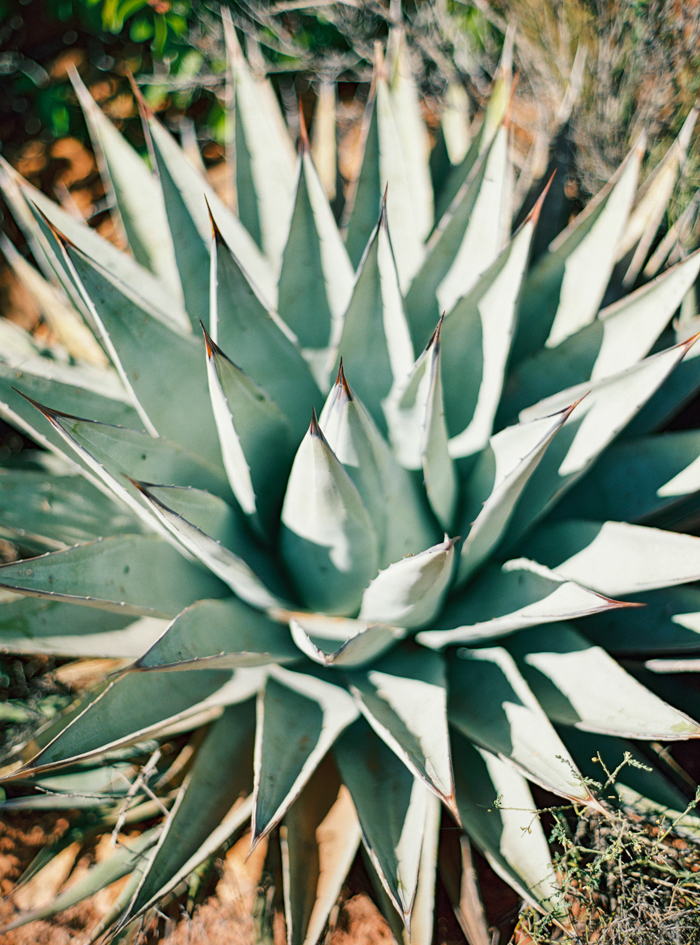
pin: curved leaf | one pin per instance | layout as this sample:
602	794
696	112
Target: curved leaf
222	634
284	759
131	574
579	684
327	539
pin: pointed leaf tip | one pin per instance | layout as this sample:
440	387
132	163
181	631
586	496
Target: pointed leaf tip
144	108
216	233
314	428
341	381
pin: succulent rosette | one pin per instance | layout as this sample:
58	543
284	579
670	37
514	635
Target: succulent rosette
370	513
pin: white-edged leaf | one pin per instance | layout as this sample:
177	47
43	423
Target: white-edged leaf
404	699
327	539
622	335
256	441
317	277
391	807
496	484
394	500
615	557
506	598
219	778
441	484
499	814
563	291
264	154
579	684
222	562
285	759
341	641
410	592
482	323
242	324
492	705
141	575
219	634
598	419
136	192
375	343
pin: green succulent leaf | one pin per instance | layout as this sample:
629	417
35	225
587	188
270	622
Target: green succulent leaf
671	624
255	436
615	557
138	705
32	208
242	324
219	780
622	335
497	808
399	513
597	420
556	659
264	156
410	592
565	288
137	195
55	628
414	726
219	560
654	479
284	759
506	598
375	343
441	483
317	277
391	807
141	575
482	322
219	634
327	539
187	198
341	641
491	703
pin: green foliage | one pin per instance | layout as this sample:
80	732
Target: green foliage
342	540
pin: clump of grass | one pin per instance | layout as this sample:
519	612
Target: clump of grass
628	878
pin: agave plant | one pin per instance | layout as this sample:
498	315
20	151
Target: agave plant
340	505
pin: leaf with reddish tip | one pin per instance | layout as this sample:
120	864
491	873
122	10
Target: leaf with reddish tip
286	758
256	440
503	599
564	290
327	539
317	277
242	324
598	419
394	500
